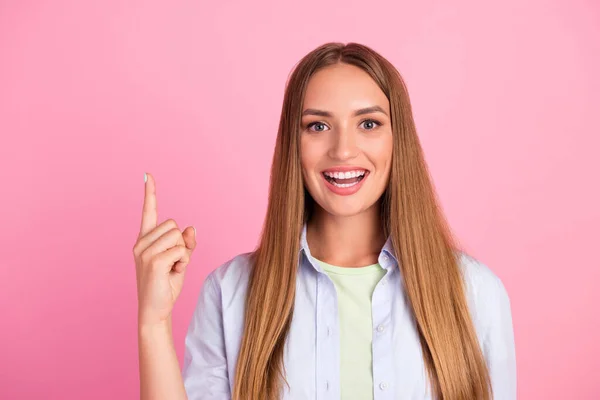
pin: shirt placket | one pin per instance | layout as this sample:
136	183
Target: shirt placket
383	382
327	346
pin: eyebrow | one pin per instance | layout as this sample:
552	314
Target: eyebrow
321	113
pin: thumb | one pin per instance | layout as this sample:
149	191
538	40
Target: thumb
189	237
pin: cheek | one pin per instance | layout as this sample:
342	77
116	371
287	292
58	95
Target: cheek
386	153
309	155
380	151
306	160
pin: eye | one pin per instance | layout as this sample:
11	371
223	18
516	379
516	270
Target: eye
319	124
372	124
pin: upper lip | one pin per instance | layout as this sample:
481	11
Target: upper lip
344	168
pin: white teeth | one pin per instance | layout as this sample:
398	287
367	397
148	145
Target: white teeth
345	175
344	185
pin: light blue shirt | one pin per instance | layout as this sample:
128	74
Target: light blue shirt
312	350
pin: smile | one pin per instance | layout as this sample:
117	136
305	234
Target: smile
345	182
345	179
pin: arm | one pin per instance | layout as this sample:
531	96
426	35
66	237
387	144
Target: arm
159	368
499	344
205	362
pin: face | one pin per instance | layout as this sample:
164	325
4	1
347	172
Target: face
346	140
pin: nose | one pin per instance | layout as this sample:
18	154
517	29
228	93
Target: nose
343	146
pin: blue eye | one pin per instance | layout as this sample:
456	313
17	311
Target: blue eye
372	124
314	124
377	123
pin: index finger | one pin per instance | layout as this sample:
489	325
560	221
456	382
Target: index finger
149	212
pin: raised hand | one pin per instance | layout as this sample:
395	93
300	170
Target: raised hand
162	253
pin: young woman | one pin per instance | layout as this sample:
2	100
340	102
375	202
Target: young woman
357	289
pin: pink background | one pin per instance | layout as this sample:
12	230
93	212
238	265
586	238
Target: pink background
92	94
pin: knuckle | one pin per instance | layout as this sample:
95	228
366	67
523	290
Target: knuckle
136	249
146	258
175	233
170	223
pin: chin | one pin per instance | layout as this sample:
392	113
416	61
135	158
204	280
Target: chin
346	214
344	210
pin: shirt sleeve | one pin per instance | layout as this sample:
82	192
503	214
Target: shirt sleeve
499	343
204	370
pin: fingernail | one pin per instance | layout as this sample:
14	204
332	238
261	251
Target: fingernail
145	178
194	231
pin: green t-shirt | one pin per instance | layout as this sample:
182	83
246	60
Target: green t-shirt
354	287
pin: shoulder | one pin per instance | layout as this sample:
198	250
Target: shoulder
479	275
486	293
234	268
231	277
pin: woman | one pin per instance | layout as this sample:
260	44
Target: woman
357	289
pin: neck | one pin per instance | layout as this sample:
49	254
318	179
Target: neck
353	241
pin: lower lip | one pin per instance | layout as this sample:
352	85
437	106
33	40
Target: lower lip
345	191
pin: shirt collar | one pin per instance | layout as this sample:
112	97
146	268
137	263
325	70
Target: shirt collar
387	257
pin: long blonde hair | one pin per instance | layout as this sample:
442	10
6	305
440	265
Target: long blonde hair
411	215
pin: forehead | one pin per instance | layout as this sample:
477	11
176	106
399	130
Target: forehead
342	88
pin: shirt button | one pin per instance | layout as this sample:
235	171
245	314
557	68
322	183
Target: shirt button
383	385
328	331
326	385
380	328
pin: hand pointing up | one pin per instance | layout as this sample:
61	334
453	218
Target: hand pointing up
162	253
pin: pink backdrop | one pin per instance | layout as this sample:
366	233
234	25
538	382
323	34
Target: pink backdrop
92	94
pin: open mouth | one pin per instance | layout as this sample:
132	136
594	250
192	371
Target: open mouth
345	179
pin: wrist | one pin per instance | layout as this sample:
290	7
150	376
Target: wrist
152	328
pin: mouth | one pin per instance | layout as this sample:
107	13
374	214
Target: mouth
345	179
